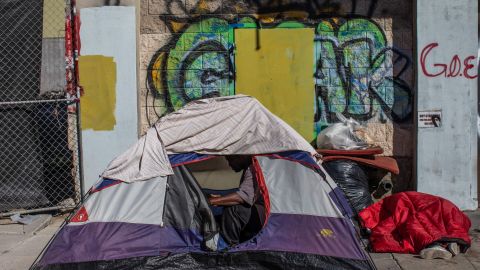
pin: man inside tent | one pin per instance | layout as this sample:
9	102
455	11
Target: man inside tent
243	215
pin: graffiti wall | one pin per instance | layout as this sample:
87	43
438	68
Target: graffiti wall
304	60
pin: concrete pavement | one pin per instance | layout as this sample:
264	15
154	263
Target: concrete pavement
20	246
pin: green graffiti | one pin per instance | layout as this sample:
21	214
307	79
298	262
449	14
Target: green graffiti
199	64
352	62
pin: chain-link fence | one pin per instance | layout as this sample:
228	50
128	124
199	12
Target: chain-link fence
39	145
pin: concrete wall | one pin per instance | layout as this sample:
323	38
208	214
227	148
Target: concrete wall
305	60
447	82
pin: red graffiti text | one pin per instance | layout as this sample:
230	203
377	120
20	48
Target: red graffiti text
456	67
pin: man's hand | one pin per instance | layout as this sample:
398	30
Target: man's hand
230	199
211	198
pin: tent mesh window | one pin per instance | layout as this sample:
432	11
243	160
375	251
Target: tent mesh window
39	153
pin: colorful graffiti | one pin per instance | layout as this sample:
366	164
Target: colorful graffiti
197	64
354	73
355	69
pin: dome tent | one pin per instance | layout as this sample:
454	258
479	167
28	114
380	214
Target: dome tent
148	212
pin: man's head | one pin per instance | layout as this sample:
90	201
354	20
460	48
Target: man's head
239	162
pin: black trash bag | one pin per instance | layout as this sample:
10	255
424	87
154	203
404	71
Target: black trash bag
352	180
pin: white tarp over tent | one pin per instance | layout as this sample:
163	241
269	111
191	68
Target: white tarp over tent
215	126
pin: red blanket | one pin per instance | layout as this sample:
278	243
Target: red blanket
407	222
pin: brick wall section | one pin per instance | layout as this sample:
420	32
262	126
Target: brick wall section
380	60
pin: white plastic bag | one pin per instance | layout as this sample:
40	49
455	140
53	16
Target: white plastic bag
341	136
26	219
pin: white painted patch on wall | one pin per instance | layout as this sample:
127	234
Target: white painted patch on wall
111	31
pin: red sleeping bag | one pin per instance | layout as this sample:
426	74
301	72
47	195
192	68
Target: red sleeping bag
407	222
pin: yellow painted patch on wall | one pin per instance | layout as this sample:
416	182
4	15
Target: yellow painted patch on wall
53	18
98	76
279	74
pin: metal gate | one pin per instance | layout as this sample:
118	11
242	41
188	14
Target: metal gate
39	109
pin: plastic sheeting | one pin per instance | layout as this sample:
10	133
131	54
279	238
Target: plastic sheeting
35	161
353	181
19	24
20	49
231	261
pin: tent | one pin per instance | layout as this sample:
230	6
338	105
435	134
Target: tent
148	212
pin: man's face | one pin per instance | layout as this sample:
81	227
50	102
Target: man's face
238	162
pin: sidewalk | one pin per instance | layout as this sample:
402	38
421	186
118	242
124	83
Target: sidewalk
20	246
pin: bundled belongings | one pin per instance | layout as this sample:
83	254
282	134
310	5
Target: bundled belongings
350	171
368	157
149	212
353	181
342	135
410	222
